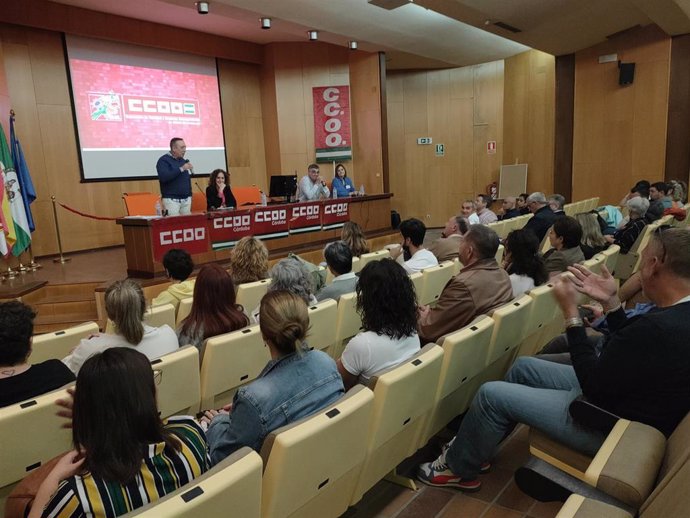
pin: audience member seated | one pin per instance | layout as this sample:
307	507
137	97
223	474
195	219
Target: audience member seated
592	241
125	306
354	237
641	375
510	209
290	274
543	217
556	203
341	185
523	262
214	310
296	382
467	209
218	193
565	236
479	288
521	203
387	304
124	456
678	191
626	236
484	214
248	261
446	247
20	380
178	267
657	195
412	232
339	261
640	189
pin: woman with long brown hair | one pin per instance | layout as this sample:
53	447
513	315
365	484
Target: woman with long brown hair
214	310
354	237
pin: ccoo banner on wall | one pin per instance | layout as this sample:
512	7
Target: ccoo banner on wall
332	138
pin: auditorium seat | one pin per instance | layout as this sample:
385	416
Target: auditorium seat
246	195
323	319
629	263
464	357
231	488
59	344
434	280
249	294
404	397
228	362
198	202
499	254
545	244
311	466
417	281
140	203
372	256
184	309
541	315
348	323
457	266
510	325
594	264
30	434
611	257
178	391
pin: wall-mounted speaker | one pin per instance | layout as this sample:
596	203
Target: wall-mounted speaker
626	73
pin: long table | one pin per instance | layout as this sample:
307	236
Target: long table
209	237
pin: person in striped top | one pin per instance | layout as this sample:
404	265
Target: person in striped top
124	456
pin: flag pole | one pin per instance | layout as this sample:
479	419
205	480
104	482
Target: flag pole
62	259
33	265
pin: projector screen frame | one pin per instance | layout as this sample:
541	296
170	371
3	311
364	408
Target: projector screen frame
82	178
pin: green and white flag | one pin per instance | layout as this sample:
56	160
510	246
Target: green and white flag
14	196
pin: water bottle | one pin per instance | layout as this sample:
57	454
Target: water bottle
263	199
361	190
158	208
335	192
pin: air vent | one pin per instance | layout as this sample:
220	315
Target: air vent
507	27
389	4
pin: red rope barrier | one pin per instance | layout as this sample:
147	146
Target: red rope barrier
87	215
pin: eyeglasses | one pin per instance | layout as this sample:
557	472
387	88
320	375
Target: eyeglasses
157	377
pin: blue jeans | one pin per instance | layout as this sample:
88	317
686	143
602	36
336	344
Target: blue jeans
537	393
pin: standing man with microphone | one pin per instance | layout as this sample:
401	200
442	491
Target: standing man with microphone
174	172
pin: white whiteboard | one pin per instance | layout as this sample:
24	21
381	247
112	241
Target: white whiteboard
513	180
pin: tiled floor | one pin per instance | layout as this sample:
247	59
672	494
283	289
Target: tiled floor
499	497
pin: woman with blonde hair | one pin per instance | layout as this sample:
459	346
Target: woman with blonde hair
295	383
249	261
125	306
354	237
592	241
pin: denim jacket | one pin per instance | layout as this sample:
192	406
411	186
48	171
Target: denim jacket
288	389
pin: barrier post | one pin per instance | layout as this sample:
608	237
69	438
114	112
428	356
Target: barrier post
61	259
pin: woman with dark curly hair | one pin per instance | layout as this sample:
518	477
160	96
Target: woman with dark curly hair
218	193
523	262
249	261
387	304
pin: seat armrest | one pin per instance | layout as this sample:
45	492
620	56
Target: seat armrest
580	507
592	416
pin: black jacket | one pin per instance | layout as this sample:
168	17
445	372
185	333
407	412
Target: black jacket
213	201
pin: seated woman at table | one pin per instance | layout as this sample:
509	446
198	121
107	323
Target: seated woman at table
218	193
341	184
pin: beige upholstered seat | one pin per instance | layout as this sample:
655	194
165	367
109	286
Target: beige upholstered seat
250	294
323	318
31	434
230	361
184	309
611	257
155	316
417	279
231	488
404	397
629	263
510	324
59	344
541	315
348	324
372	256
178	391
311	466
464	357
434	280
499	254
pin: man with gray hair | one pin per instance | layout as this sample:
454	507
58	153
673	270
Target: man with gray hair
339	261
543	217
446	247
479	288
556	203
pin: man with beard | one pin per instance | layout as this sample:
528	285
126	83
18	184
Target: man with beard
415	257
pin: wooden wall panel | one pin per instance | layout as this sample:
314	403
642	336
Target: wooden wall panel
529	116
620	131
460	108
677	148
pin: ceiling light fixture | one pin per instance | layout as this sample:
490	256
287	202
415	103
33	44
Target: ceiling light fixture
352	45
265	23
313	35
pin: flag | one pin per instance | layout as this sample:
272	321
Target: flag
25	183
7	237
13	199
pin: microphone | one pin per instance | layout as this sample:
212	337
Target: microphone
191	169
